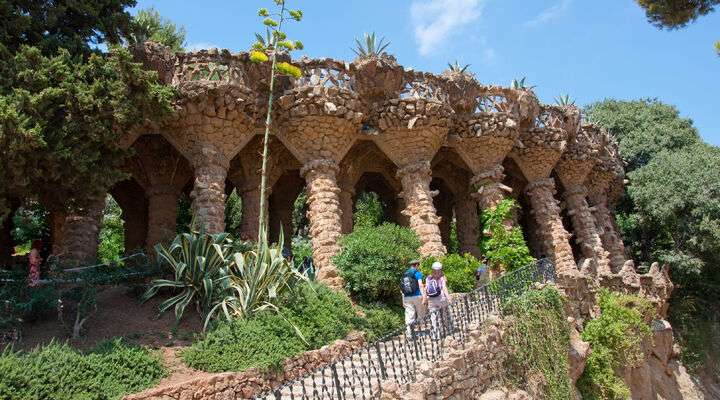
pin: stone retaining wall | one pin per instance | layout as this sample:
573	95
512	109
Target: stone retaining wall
251	382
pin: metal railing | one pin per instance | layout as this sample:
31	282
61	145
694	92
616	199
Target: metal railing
396	356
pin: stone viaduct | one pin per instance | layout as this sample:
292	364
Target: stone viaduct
431	146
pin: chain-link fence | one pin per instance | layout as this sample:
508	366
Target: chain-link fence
395	357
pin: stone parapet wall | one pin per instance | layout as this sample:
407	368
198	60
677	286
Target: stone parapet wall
252	382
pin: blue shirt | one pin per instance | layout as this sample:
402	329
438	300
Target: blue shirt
419	276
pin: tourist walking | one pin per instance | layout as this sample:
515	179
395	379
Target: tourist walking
482	273
438	298
413	295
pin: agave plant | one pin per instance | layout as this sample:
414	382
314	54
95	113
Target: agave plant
258	279
564	100
518	84
456	67
371	47
200	266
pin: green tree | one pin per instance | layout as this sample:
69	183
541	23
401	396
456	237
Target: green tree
63	103
503	246
148	24
368	210
674	14
643	128
74	25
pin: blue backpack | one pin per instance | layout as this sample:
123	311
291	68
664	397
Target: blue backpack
433	287
409	283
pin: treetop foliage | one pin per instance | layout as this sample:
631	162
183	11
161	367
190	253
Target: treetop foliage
70	24
148	24
675	14
643	128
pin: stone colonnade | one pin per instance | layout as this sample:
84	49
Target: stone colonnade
409	118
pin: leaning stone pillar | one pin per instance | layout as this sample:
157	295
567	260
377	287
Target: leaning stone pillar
81	234
325	217
208	193
608	231
575	164
57	225
585	230
346	206
162	215
419	207
467	225
550	227
136	228
490	190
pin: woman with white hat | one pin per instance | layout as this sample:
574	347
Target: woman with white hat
438	296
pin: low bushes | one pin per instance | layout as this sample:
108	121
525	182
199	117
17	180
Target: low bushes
309	318
381	320
372	260
615	338
539	339
59	372
459	271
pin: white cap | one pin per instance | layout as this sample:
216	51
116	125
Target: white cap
437	265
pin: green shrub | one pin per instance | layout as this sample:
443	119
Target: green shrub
539	339
696	324
615	338
266	339
505	249
381	320
373	259
459	271
112	233
369	210
59	372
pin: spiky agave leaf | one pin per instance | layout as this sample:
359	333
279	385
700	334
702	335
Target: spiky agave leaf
371	47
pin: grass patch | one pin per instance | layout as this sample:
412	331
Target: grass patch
59	372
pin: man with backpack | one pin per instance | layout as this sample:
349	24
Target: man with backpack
413	294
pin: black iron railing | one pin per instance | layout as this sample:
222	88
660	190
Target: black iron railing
396	356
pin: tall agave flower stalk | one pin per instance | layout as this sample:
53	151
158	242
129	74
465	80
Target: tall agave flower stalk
266	49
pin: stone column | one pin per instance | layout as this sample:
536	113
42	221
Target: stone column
346	205
81	235
466	215
57	224
208	193
419	207
162	215
550	228
136	228
607	229
584	228
250	224
325	218
490	190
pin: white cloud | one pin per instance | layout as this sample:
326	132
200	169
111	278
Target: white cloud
549	13
434	21
200	46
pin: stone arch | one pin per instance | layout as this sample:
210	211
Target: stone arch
515	180
244	174
286	189
163	173
365	157
453	200
131	198
377	182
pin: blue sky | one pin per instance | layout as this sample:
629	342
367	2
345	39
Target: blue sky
588	49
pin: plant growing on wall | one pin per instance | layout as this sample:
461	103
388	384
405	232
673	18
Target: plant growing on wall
266	49
369	46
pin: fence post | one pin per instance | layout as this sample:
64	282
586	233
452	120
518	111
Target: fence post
336	378
383	373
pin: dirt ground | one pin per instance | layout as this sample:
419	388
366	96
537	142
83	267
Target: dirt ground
121	315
